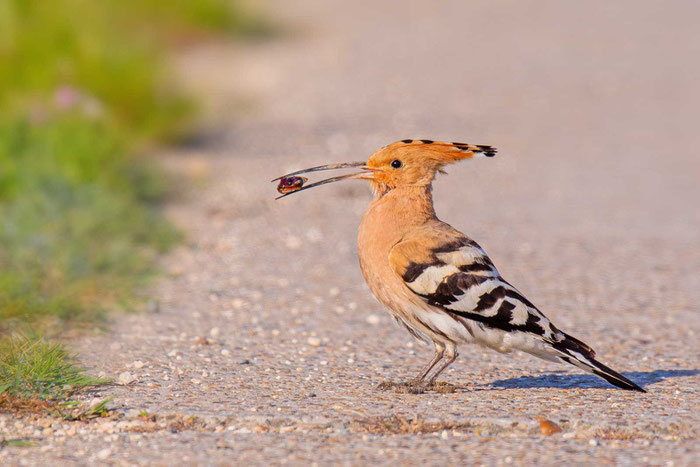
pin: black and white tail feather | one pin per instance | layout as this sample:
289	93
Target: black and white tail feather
579	354
458	278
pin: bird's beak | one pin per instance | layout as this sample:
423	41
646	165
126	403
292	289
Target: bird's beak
367	175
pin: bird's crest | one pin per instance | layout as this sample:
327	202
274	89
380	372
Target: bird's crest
450	151
416	161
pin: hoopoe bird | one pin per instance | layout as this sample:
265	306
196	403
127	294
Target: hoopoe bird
433	279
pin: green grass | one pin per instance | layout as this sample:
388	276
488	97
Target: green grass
85	94
33	368
17	443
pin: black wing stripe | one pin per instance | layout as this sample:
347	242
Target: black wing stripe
489	299
457	284
451	247
476	267
414	270
502	321
505	312
478	263
514	294
454	285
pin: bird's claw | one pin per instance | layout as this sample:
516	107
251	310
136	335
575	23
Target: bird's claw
404	387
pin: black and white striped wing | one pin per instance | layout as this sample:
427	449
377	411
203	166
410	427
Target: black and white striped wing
459	278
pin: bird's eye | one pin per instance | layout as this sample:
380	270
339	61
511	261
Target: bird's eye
396	164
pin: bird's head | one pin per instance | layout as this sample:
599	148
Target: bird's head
409	162
414	162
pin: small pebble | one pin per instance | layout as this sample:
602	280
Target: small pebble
373	319
138	364
125	378
548	427
313	341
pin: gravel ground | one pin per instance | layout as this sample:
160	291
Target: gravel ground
265	345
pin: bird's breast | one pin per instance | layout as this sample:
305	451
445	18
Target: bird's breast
374	242
381	228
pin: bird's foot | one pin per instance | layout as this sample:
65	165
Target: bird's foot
404	387
443	387
417	387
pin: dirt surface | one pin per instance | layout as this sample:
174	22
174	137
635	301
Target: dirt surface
265	346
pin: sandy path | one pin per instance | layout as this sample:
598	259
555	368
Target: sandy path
265	332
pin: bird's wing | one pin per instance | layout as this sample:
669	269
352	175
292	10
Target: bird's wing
452	272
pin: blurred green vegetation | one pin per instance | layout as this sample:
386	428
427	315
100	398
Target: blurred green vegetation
33	368
78	225
84	91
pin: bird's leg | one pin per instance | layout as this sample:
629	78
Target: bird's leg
439	351
450	357
417	384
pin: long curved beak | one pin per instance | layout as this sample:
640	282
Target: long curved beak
342	165
367	175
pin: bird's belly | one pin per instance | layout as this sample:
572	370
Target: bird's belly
443	325
505	342
425	320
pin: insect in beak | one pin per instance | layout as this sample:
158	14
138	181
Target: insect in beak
292	183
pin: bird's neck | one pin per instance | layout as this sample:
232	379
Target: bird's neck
390	216
411	205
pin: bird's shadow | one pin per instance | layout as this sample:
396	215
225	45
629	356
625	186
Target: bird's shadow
568	381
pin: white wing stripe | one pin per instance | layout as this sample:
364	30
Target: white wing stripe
427	282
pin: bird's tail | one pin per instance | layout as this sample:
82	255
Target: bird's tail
575	352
